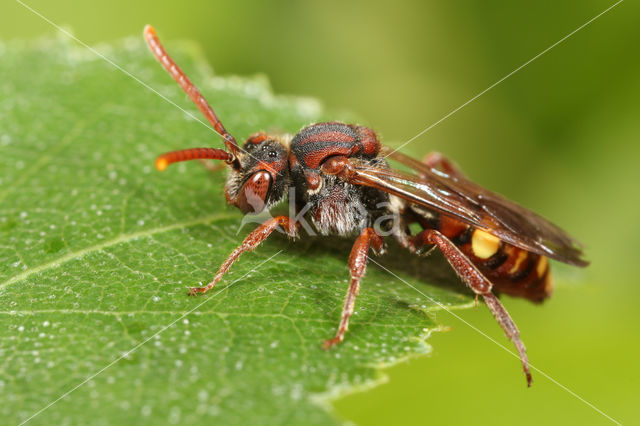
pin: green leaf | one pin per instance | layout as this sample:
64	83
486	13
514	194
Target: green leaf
97	250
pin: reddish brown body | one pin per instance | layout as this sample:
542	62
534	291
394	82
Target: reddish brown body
344	186
512	270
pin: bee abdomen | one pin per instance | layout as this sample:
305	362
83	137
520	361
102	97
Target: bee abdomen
512	270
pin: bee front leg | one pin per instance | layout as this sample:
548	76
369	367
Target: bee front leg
368	238
213	167
252	241
477	282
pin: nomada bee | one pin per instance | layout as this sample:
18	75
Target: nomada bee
341	177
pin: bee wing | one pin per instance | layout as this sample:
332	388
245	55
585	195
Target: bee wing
470	203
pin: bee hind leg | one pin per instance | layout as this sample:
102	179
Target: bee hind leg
479	284
437	161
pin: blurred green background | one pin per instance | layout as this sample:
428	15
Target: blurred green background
560	136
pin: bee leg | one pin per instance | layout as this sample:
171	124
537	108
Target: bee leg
437	161
357	264
212	167
252	241
477	282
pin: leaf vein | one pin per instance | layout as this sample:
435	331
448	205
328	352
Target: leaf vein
120	239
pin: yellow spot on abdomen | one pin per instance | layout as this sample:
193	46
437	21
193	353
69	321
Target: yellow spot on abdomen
548	285
522	255
541	268
483	244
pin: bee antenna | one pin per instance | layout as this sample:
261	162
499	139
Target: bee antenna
190	89
165	160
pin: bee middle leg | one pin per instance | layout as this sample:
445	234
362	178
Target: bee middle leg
368	238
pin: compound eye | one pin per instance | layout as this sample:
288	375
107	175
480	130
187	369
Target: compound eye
253	195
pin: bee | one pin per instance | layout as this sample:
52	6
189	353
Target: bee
344	186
